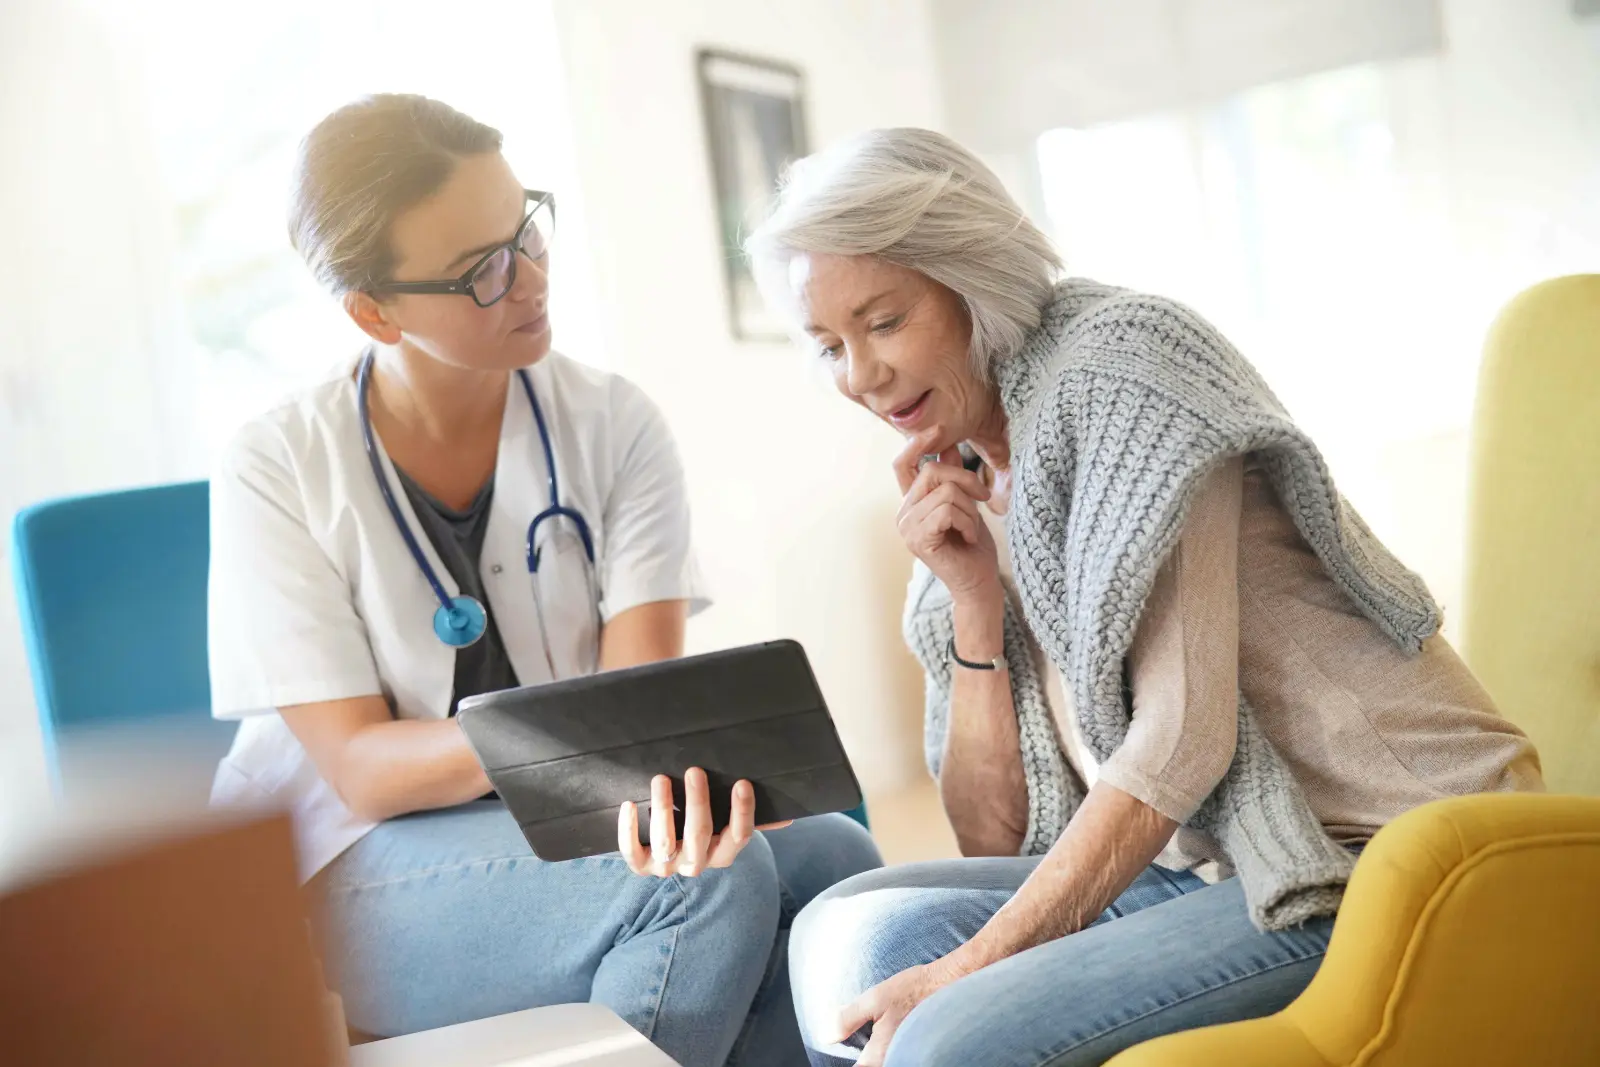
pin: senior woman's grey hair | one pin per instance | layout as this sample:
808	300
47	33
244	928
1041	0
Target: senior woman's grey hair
918	199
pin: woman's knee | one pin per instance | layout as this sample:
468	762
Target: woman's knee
855	935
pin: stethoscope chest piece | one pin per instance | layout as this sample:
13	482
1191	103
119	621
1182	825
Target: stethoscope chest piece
461	622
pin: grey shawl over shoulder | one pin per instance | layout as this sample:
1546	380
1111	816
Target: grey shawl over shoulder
1119	405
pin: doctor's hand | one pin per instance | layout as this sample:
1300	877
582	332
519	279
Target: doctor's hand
940	522
700	849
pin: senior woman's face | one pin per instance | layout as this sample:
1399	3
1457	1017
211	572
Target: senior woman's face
897	343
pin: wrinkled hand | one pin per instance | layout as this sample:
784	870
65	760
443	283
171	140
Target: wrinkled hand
941	524
887	1004
700	849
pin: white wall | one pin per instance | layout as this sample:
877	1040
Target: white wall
792	490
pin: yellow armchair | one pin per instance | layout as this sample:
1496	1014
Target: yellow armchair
1470	933
1532	625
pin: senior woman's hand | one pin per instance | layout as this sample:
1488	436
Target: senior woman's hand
887	1004
700	849
941	524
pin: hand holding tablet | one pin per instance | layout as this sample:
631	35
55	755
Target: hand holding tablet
575	759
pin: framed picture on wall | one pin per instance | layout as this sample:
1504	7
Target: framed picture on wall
755	127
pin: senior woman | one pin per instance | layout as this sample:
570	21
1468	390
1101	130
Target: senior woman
1173	681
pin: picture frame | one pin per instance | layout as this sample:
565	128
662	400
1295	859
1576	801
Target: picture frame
755	122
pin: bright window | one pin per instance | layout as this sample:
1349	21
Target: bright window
1354	233
1325	224
229	93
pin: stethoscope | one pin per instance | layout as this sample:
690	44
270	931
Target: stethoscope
460	621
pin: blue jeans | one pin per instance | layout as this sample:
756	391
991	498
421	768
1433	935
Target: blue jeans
446	916
1172	953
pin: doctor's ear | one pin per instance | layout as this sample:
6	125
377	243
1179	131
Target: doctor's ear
373	318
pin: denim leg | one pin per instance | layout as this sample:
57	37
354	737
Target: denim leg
875	925
1192	960
811	856
816	854
872	927
447	916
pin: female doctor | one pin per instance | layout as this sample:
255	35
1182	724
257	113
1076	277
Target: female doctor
462	510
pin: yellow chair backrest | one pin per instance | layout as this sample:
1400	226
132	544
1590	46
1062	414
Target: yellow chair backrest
1531	628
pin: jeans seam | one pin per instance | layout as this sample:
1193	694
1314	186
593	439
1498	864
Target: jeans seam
676	881
1054	1055
742	1039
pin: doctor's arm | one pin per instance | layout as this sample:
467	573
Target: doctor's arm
382	767
644	634
646	569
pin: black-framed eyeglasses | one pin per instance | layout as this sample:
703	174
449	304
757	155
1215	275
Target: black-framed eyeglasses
491	277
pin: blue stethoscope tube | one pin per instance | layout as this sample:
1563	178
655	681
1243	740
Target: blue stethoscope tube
460	621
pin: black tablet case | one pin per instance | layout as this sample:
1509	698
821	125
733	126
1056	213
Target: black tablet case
566	755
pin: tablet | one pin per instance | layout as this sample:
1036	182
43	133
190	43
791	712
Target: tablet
566	755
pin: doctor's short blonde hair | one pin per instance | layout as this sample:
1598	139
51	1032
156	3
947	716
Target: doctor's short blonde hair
360	169
918	199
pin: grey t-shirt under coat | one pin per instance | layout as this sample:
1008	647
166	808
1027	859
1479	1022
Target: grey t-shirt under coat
457	536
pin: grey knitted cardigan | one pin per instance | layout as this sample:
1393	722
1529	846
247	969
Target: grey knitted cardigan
1119	405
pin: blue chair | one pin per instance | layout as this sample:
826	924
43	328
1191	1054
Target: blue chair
112	591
